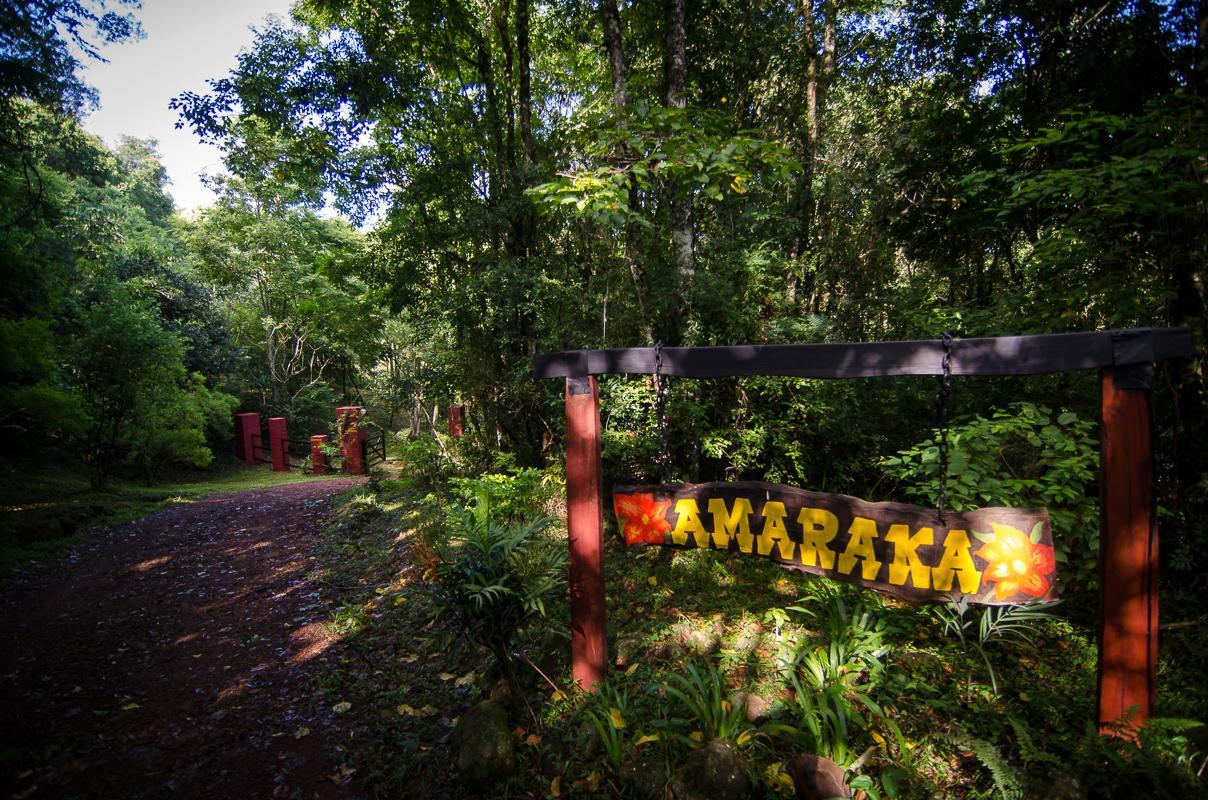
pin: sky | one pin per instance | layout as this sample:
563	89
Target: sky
186	43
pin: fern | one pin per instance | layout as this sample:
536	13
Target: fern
1029	753
1007	779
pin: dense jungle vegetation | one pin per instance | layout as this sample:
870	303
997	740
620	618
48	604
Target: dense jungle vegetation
419	196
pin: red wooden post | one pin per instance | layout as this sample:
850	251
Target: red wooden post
589	651
352	442
277	446
1128	629
455	415
247	425
318	459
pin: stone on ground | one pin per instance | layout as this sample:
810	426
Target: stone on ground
818	778
484	750
717	771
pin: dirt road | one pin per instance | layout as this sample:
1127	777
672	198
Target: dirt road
176	656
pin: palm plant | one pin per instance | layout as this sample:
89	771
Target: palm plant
1015	624
496	579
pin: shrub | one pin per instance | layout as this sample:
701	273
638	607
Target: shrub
1020	456
496	578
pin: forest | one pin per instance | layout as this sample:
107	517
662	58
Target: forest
417	197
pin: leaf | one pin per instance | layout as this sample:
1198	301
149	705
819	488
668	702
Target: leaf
555	786
647	739
618	721
1037	530
743	738
446	676
130	706
341	707
410	659
652	580
696	736
632	668
532	740
1067	418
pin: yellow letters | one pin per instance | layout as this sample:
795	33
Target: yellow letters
733	522
956	561
773	531
862	531
689	522
906	559
818	526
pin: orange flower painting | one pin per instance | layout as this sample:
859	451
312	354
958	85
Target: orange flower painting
1017	564
642	518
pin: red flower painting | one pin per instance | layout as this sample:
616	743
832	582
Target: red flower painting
642	518
1017	564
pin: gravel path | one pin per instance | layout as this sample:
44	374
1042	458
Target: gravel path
174	657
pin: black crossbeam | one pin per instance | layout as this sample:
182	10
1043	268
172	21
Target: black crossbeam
991	355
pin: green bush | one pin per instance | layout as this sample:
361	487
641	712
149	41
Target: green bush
493	579
1021	456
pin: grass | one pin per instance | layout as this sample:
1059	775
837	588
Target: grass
945	731
44	512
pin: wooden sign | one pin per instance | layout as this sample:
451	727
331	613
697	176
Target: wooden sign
994	556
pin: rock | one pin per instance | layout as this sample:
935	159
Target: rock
670	650
716	771
588	739
500	692
483	748
702	643
818	778
1054	783
629	649
757	707
644	772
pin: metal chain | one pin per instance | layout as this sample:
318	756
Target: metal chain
660	410
941	499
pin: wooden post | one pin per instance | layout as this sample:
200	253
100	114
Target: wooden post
352	442
247	425
277	447
318	459
455	415
584	523
1128	628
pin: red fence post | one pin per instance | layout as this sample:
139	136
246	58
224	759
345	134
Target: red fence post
584	524
247	425
318	459
278	447
455	415
352	441
1128	628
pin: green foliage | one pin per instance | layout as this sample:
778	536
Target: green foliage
1008	782
690	149
1015	624
1161	760
851	649
702	694
517	494
496	578
607	710
1020	456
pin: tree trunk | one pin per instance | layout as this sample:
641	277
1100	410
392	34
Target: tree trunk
611	18
526	83
674	67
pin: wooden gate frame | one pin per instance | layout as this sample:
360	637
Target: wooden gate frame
1128	626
